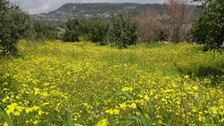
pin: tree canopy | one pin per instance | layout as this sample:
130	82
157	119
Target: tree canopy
208	29
13	24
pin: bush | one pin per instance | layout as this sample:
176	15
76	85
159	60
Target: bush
95	30
208	29
123	31
161	35
41	31
72	31
13	24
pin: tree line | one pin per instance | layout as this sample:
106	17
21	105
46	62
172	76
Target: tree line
175	25
16	24
119	31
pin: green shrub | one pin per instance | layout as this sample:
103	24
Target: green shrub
41	31
95	30
161	35
13	25
123	31
72	31
208	29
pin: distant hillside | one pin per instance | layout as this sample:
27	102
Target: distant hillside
88	10
104	8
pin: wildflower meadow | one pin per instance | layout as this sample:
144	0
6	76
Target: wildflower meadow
170	84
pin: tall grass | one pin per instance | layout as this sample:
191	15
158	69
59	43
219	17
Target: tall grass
6	117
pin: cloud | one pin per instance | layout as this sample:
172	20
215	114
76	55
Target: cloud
42	6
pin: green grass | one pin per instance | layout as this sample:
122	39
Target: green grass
56	83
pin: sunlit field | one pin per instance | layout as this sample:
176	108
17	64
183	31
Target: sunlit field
173	84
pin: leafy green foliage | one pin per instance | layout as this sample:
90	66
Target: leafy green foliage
161	35
95	30
209	27
6	117
123	31
41	31
72	31
143	118
69	116
13	25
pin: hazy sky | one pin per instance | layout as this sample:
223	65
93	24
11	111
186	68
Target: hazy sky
41	6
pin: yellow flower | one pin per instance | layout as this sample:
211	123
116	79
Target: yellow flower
146	97
110	111
133	105
214	110
11	108
5	124
164	100
36	122
194	109
5	99
16	113
127	89
195	88
113	111
28	110
103	122
123	106
186	76
116	111
36	91
40	112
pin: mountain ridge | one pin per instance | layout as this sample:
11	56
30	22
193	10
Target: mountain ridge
89	10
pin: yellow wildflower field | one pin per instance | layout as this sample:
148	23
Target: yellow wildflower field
174	84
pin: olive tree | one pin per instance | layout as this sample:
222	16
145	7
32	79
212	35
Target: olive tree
123	31
72	31
95	30
208	29
13	24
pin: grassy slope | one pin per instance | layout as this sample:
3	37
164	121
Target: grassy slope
36	88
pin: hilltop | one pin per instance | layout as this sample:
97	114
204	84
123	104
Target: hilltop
89	10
